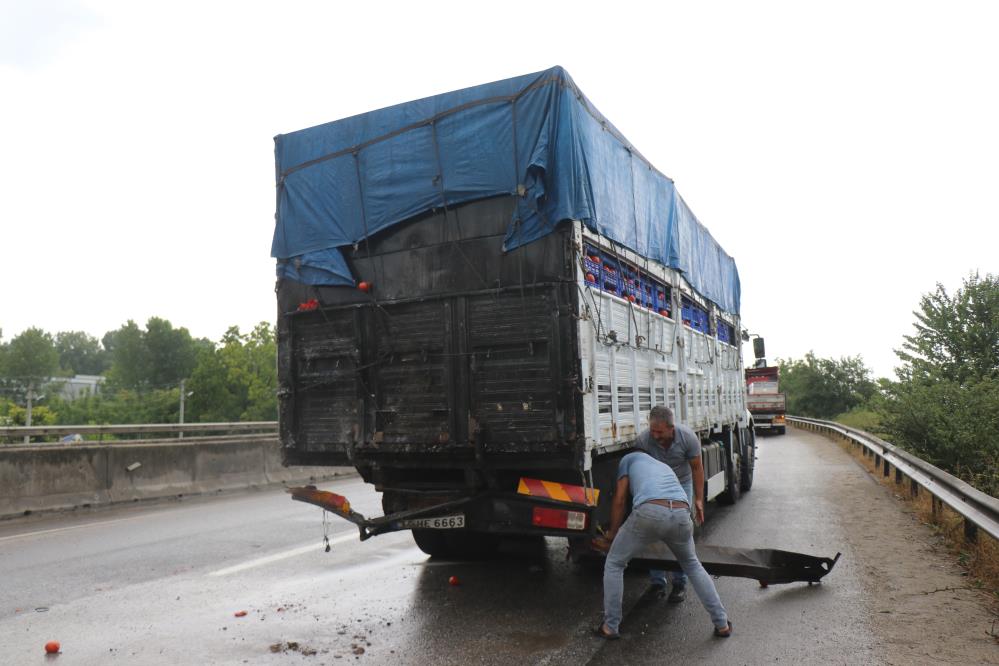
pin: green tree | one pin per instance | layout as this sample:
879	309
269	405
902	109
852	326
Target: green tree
172	353
29	362
31	358
129	361
80	353
944	406
5	381
957	337
155	358
234	380
824	387
14	415
238	380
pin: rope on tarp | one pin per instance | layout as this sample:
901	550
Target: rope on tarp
454	243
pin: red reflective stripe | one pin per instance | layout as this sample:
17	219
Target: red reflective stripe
563	492
576	493
557	491
535	488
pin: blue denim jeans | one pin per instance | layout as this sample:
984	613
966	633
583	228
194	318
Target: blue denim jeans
678	578
647	524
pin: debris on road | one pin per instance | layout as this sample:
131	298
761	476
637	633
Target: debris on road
52	647
293	646
453	580
240	613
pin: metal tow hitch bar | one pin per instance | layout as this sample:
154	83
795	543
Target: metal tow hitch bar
368	527
766	565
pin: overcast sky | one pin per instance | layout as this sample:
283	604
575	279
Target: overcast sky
846	154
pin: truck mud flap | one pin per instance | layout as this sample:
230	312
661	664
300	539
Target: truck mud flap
766	565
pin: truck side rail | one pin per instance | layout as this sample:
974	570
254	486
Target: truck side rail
980	511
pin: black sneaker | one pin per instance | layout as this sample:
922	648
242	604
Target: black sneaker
677	594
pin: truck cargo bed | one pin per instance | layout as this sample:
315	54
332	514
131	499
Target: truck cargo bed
432	372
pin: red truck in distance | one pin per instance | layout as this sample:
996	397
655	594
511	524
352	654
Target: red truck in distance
765	402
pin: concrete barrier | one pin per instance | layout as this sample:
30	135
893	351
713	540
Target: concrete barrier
65	476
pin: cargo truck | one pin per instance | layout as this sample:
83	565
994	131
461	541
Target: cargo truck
480	297
764	400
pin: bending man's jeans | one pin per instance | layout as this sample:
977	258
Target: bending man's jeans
678	578
647	524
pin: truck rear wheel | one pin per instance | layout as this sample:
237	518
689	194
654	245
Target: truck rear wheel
733	475
749	459
733	480
456	544
430	542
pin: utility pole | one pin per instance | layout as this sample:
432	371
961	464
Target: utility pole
180	435
27	417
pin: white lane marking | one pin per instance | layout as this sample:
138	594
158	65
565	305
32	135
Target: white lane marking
277	557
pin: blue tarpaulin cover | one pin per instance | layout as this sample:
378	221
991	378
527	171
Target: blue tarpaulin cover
536	137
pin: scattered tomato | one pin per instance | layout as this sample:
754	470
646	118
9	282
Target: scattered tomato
453	580
52	647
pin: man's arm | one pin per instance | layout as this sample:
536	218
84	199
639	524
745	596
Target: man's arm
618	505
697	474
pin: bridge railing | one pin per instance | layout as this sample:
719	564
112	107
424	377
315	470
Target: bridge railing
17	434
979	511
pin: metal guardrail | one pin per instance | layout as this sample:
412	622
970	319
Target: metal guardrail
980	511
264	427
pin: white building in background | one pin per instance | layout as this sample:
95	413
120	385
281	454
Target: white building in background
79	386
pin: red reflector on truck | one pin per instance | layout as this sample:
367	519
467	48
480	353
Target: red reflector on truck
562	492
322	498
559	518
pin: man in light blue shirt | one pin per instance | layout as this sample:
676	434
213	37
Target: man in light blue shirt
679	447
659	512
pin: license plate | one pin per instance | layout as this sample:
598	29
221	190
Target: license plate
438	523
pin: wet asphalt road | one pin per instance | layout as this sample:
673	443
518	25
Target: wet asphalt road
160	584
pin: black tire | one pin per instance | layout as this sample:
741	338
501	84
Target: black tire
456	544
780	430
431	542
732	481
748	460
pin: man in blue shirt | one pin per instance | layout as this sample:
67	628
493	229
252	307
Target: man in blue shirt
659	512
679	447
